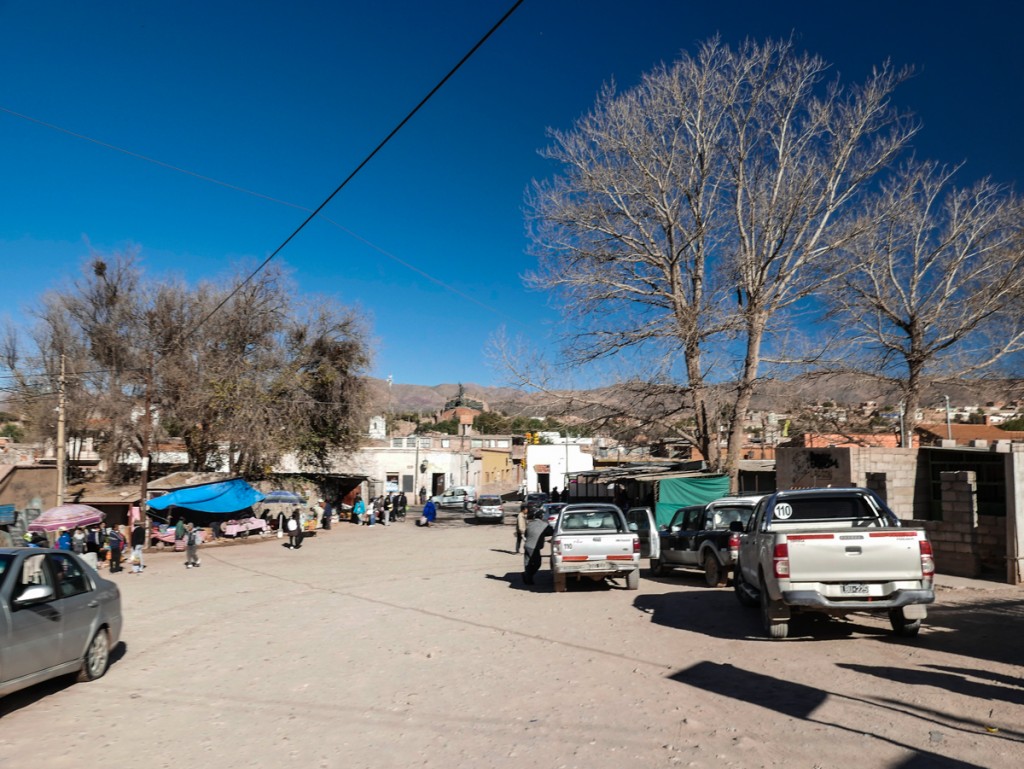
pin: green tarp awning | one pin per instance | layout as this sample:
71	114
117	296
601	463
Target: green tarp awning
674	493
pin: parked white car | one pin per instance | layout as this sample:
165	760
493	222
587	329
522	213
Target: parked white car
488	508
456	496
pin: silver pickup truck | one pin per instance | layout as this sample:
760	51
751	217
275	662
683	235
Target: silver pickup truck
595	541
834	551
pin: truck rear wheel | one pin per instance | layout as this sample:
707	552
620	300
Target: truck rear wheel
776	629
901	626
560	583
714	574
633	580
658	567
741	588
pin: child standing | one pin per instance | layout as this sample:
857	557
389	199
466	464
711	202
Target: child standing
191	546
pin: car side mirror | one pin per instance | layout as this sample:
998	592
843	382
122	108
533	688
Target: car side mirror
34	594
737	526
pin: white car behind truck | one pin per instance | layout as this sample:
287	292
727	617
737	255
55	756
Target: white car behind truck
835	551
595	541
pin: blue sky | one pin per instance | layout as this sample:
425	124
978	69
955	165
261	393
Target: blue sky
286	98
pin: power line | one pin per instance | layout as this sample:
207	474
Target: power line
263	196
312	213
358	168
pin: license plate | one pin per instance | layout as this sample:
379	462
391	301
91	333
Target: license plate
855	589
594	565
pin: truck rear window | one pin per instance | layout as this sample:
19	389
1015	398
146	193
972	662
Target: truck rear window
590	521
721	517
824	509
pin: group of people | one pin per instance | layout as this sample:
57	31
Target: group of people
382	509
107	543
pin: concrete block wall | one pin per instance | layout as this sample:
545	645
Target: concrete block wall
991	543
899	466
955	538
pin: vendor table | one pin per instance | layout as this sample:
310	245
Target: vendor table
251	525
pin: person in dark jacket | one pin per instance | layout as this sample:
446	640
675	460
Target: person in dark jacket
115	542
138	542
537	530
294	530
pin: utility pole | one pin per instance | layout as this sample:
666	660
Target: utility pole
389	419
61	439
147	422
565	484
949	423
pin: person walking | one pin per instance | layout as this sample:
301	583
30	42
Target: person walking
520	526
138	542
325	515
191	546
358	511
115	543
537	530
294	527
401	503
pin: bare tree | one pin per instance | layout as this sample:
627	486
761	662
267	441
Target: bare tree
692	212
242	376
932	288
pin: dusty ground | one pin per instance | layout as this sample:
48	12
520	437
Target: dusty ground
406	647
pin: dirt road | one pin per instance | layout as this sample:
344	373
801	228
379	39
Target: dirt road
407	647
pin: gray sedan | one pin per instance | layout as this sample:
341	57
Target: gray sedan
57	617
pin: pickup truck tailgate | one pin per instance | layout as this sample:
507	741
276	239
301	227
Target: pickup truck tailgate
575	547
854	556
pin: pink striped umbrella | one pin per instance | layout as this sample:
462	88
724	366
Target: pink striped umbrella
66	517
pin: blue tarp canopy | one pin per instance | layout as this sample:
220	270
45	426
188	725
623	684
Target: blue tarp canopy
226	497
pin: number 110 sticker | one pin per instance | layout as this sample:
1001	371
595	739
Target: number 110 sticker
783	510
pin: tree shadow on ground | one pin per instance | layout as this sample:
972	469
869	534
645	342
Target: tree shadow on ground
959	681
794	700
988	629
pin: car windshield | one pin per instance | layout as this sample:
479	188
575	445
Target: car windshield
590	520
724	516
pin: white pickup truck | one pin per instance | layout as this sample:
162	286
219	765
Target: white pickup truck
834	551
595	541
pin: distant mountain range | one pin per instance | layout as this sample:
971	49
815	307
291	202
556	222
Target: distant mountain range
778	395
